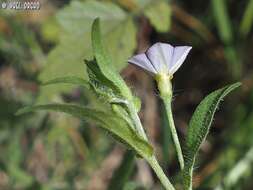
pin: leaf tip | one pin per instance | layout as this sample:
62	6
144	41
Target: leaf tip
234	86
237	84
21	111
96	20
95	24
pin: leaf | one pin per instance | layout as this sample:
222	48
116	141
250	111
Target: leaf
96	75
101	86
239	170
105	63
106	120
159	15
247	20
223	21
105	91
199	127
123	172
68	80
137	103
14	159
224	26
75	22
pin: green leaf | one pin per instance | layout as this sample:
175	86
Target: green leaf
199	127
75	22
102	87
122	112
123	172
137	103
14	159
239	170
225	30
223	21
159	15
105	91
96	76
247	20
105	64
68	80
106	120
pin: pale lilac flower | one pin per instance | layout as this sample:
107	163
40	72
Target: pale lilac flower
161	58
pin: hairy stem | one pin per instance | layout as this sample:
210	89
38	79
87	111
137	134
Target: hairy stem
137	122
174	133
152	160
164	86
187	176
160	174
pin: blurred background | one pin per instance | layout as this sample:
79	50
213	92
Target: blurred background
52	151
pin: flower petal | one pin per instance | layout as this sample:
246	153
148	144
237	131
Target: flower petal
160	55
179	55
142	61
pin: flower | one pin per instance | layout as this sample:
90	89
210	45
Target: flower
161	58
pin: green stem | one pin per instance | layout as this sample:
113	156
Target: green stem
152	160
187	175
137	122
164	86
160	174
174	133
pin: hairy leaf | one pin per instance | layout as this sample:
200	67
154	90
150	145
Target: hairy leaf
107	120
199	127
101	86
104	62
96	76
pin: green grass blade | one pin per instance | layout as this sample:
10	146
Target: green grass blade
222	19
247	20
123	172
199	127
225	30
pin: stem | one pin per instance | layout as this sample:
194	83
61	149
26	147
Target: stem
151	160
137	121
160	174
187	176
174	133
164	86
